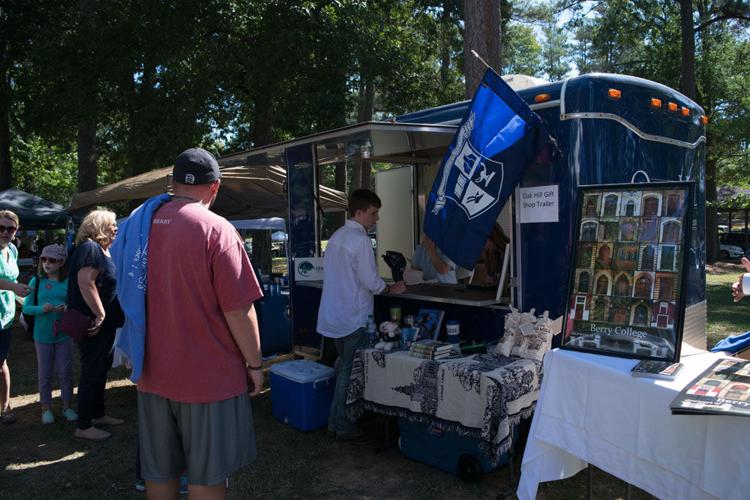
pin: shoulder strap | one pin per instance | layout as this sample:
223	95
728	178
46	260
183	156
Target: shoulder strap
37	281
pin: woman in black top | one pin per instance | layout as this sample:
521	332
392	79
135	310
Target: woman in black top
91	290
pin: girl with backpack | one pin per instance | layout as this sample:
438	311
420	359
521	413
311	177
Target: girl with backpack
46	304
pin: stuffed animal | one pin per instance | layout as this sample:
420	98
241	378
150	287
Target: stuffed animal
388	333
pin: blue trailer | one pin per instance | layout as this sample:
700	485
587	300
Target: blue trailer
610	129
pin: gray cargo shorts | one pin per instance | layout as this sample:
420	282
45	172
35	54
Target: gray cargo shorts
206	441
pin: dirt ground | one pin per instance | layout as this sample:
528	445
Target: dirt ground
48	462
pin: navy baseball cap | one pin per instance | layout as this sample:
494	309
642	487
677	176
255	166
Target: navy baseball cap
195	166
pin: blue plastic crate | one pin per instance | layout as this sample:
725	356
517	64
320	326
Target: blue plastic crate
301	393
434	445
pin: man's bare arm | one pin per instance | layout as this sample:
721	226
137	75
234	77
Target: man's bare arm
243	324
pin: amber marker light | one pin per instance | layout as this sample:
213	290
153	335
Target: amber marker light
614	94
655	103
542	98
704	120
672	106
685	111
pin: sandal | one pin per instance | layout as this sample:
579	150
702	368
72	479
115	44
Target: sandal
8	417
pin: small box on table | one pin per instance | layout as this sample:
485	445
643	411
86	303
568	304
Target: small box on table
301	393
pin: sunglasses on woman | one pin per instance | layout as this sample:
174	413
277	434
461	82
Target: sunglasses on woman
8	229
50	260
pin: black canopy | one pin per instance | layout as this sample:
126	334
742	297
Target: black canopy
34	212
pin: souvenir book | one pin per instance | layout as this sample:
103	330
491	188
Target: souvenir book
429	322
656	369
431	349
723	389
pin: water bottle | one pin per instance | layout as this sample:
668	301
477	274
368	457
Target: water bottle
372	332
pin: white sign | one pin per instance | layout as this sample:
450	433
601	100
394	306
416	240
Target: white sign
308	269
539	204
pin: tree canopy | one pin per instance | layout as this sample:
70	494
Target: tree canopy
153	78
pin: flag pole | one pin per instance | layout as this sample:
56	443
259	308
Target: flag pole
474	52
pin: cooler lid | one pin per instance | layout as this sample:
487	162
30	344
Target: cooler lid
303	371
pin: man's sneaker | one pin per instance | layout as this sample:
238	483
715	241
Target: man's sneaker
92	433
70	414
140	485
48	417
183	485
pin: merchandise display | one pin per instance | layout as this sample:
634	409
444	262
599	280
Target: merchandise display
627	279
656	369
431	349
389	336
722	389
525	335
429	322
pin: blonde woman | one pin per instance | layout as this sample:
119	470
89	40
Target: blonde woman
91	291
9	288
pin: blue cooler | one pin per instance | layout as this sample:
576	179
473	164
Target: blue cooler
301	393
434	445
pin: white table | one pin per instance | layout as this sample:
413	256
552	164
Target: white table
591	410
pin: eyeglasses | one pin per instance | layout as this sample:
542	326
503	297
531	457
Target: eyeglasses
8	229
50	260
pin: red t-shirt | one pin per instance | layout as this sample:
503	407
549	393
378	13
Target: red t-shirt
197	268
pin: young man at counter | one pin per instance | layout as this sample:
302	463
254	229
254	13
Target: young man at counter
350	280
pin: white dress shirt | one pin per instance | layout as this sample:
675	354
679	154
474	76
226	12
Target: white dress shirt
350	279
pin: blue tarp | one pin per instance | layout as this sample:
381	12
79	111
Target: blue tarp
34	212
734	344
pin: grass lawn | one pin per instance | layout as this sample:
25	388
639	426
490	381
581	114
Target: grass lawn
48	462
725	317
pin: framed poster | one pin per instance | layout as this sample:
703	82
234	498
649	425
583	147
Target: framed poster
627	278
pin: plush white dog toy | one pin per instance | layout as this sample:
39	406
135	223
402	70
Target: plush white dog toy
389	332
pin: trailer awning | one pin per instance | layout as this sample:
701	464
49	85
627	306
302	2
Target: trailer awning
388	142
252	184
246	192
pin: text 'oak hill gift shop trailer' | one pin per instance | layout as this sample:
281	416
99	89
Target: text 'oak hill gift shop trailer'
608	129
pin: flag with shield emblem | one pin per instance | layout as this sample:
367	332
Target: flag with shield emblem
498	137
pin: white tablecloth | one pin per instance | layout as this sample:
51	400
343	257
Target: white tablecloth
591	410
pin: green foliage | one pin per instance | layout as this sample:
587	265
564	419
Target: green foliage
522	54
45	171
229	75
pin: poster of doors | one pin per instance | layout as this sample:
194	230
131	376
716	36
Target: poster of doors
625	295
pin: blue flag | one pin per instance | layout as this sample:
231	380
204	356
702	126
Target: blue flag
497	138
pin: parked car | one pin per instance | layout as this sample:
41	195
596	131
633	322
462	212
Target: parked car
736	239
730	251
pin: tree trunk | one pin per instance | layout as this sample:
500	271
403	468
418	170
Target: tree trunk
339	183
712	233
482	26
687	70
87	166
362	175
261	257
263	128
6	165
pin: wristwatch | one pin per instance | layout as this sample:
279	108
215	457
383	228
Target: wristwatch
253	368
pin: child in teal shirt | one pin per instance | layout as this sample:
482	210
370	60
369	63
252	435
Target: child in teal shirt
52	351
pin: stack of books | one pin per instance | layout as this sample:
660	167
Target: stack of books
665	370
431	349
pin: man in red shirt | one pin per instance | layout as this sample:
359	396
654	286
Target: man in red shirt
202	344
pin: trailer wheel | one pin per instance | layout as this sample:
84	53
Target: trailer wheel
469	469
